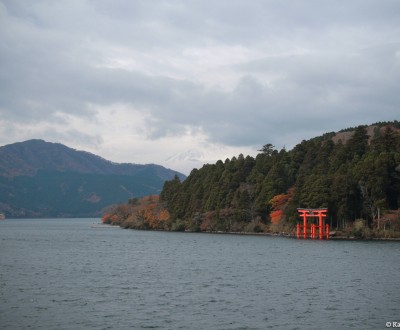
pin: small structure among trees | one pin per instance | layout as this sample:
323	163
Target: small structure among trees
313	230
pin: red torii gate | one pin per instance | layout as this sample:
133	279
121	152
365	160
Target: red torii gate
321	228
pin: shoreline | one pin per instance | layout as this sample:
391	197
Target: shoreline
284	235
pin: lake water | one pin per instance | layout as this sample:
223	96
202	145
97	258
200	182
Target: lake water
64	274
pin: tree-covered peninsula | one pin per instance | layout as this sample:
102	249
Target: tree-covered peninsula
355	173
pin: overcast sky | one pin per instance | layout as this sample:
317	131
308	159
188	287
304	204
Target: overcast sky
180	83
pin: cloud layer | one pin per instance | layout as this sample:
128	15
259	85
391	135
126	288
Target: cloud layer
140	81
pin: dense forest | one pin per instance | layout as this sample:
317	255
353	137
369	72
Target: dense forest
354	173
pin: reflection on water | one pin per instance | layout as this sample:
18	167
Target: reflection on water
64	274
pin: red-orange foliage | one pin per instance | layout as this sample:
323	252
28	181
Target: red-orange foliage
278	205
164	215
154	215
279	201
106	218
276	216
147	211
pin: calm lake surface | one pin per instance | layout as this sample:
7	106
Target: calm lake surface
64	274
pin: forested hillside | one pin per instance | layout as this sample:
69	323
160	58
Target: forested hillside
354	173
43	179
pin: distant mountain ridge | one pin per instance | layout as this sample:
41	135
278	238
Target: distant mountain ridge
40	179
26	158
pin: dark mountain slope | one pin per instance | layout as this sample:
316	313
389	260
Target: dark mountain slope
26	158
42	179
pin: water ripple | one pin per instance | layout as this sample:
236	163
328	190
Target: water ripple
64	275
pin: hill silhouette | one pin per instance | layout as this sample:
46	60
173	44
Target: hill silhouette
43	179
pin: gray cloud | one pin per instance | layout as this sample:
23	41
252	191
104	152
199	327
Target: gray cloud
242	73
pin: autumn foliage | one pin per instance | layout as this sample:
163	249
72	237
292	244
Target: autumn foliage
144	213
276	216
278	205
